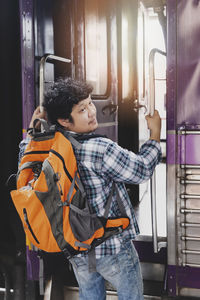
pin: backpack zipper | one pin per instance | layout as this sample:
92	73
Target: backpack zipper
37	152
28	224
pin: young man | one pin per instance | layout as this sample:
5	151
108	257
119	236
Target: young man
101	161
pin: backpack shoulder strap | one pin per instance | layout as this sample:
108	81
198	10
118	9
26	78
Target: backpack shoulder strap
118	198
73	141
85	137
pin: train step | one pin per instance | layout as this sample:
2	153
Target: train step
72	294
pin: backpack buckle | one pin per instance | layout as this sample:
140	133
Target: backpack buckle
60	203
67	253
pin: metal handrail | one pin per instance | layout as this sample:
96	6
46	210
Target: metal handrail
43	61
190	238
189	211
190	181
182	166
152	54
190	265
188	131
184	224
185	251
190	196
156	245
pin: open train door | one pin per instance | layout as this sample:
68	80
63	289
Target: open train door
151	209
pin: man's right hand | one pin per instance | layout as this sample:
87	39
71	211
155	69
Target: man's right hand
154	124
37	115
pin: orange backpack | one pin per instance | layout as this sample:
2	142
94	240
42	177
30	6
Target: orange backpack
51	201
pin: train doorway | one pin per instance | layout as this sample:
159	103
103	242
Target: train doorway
108	43
143	81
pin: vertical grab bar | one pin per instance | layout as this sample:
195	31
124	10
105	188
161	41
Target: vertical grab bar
42	71
156	245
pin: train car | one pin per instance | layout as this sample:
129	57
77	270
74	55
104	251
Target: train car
139	55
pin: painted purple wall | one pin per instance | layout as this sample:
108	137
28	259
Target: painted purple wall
183	77
188	62
183	111
171	65
27	60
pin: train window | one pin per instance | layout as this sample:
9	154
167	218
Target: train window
156	40
141	54
96	59
150	36
128	34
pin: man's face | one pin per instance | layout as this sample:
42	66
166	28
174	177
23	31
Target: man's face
84	117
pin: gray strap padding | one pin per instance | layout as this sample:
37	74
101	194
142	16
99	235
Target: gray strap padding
78	146
82	245
75	179
81	211
92	261
29	165
108	204
41	276
71	188
73	141
120	203
49	200
80	185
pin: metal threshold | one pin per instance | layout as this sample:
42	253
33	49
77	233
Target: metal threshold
113	293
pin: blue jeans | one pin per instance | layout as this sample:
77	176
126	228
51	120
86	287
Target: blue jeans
121	270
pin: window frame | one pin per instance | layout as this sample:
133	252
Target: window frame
108	35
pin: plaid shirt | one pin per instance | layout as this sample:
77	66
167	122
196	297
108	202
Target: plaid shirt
102	161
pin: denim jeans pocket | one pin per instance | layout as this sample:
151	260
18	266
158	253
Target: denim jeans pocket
79	263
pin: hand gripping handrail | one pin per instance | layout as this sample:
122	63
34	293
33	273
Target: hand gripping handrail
43	61
156	245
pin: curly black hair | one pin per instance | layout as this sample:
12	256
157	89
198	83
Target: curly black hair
62	96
